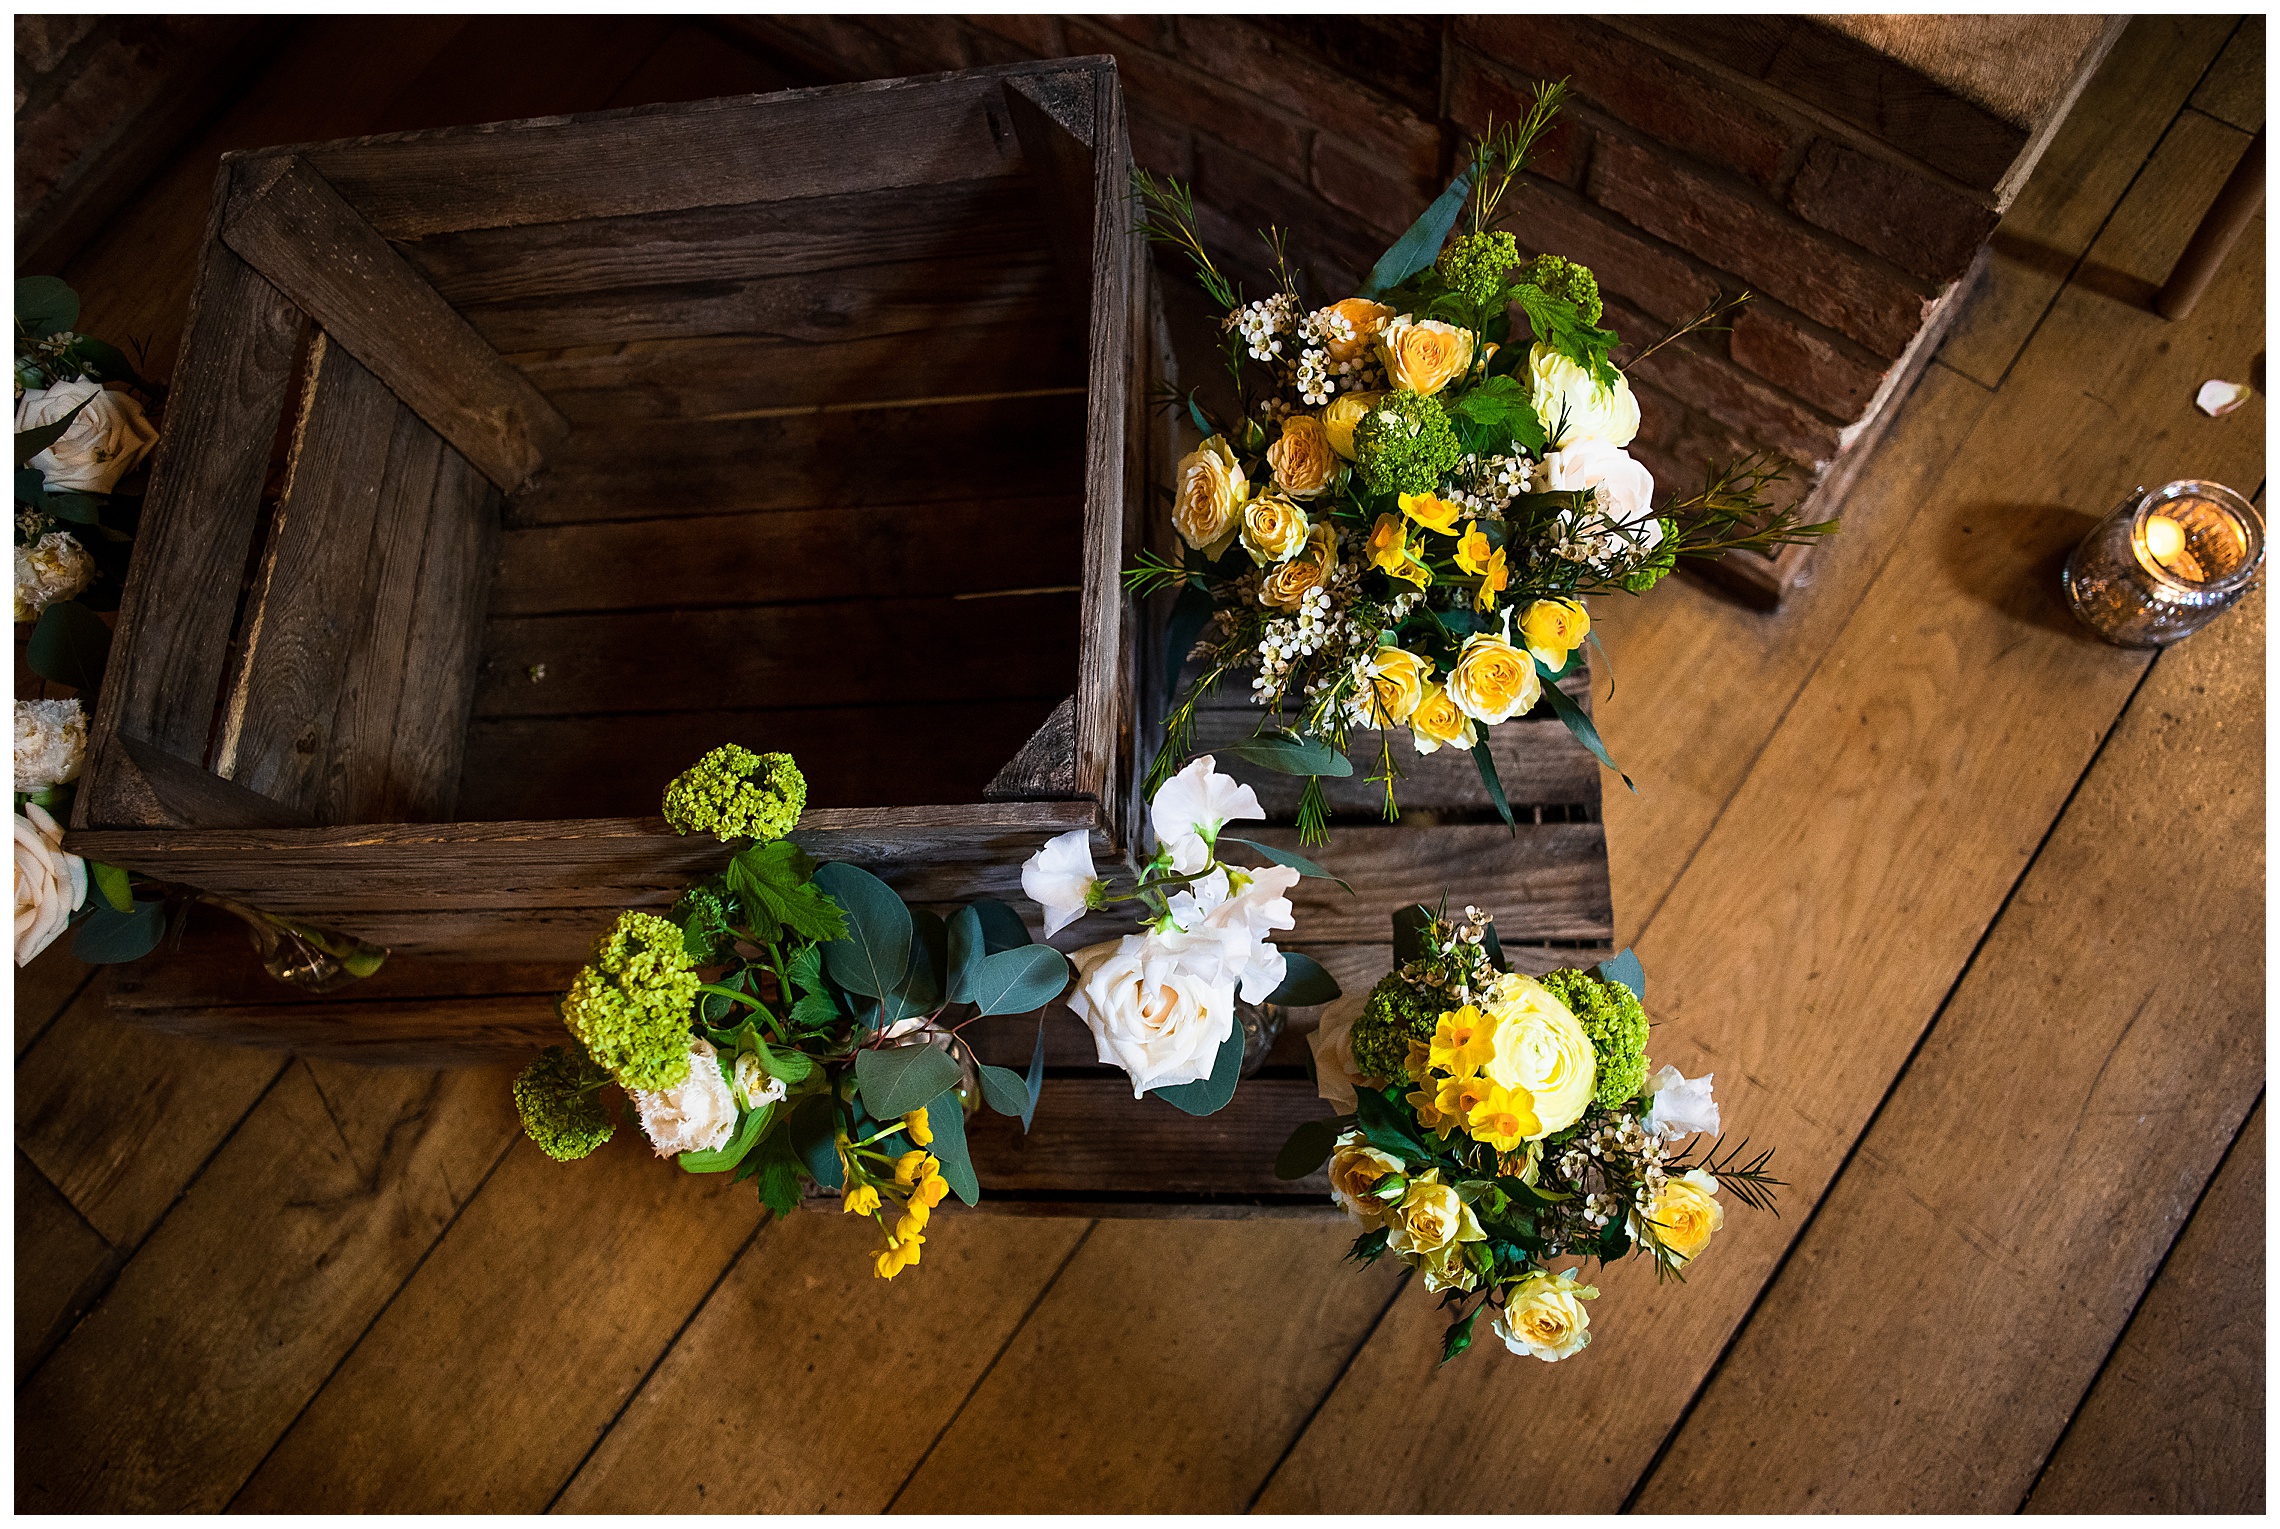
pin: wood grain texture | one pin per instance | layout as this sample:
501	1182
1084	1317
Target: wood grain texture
44	988
169	1393
62	1264
2175	1423
1538	762
1855	1364
2233	89
1090	1134
1546	881
1046	766
194	795
294	228
806	1295
538	1367
1804	965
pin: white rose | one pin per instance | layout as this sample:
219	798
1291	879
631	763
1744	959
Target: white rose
49	883
51	743
1623	491
103	444
1575	407
1681	1106
1543	1315
1199	801
53	568
1160	1014
1059	878
1335	1076
697	1114
755	1085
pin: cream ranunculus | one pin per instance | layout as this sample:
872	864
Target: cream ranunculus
1540	1049
1543	1315
1060	879
1431	1217
1575	407
1424	355
1212	489
53	568
1393	685
51	743
103	444
1685	1214
1274	529
698	1114
1286	586
1158	1013
49	883
1493	680
1343	414
1303	458
1335	1074
1622	512
1360	320
1439	722
1357	1168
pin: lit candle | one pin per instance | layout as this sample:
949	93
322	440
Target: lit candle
2163	564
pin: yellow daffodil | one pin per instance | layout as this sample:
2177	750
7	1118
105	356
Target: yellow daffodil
1502	1117
1389	544
1472	550
1420	1058
1492	582
1457	1098
1462	1041
1432	512
1429	1114
915	1124
861	1200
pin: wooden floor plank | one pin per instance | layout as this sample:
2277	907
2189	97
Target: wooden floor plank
529	1325
807	1384
2098	151
2233	90
1932	1332
1195	1393
167	1396
2175	1423
1815	931
45	988
61	1262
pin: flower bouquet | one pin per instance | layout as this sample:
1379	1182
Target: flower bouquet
1401	526
787	1021
1498	1122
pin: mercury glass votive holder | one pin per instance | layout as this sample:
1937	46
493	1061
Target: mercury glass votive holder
2163	565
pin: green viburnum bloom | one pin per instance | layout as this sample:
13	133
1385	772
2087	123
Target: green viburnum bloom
1648	571
733	793
1394	1015
1612	1016
630	1008
1405	445
559	1099
1557	277
704	914
1474	265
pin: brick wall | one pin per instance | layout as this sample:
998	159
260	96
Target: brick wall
1687	166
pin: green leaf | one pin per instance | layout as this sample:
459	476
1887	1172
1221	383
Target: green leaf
815	1011
1502	405
805	969
70	646
1369	1247
1189	614
1577	719
1019	981
1002	928
1298	863
1034	1084
965	952
31	487
45	305
80	509
1292	755
30	443
721	1159
107	937
811	1129
1485	762
1421	246
1210	1095
873	957
1459	1336
1195	412
773	880
929	959
894	1080
779	1173
1386	1126
111	882
1409	926
1625	968
946	1118
1305	983
1004	1091
1310	1146
792	1066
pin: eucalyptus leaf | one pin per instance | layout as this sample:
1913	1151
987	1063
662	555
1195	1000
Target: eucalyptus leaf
1019	981
929	956
874	957
1305	983
1298	863
1309	1146
1189	614
1210	1095
31	487
70	646
1004	1091
894	1080
1625	968
80	509
1292	755
45	306
811	1129
946	1118
107	937
1034	1084
1421	245
111	882
966	949
1002	928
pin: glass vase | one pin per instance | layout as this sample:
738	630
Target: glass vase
1262	1026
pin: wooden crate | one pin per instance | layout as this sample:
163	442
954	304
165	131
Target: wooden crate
509	468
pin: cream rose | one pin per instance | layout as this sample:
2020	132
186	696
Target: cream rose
1543	1316
1393	685
1335	1073
1575	407
1354	329
1302	457
1540	1049
1158	1013
51	743
1685	1215
1424	355
103	444
1430	1218
1274	529
1493	680
698	1114
1212	489
1342	415
1283	589
1356	1168
1439	722
49	883
53	568
1622	490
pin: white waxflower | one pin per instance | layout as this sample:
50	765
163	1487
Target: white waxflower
53	568
49	883
1059	878
51	743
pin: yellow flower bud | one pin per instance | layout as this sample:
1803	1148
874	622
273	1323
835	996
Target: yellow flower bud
915	1124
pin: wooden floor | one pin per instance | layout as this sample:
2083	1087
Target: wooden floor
1964	909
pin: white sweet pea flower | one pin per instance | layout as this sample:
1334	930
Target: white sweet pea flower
1198	802
1243	923
1159	1012
1193	903
49	883
1059	878
697	1114
1682	1105
103	444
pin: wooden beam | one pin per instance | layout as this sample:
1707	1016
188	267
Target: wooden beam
1046	765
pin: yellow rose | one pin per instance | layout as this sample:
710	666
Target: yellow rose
1274	529
1424	355
1356	1168
1685	1214
1302	457
1322	547
1212	489
1288	584
1432	512
1438	721
1396	683
1553	629
1363	319
1493	680
1543	1315
1340	418
1431	1217
1541	1052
